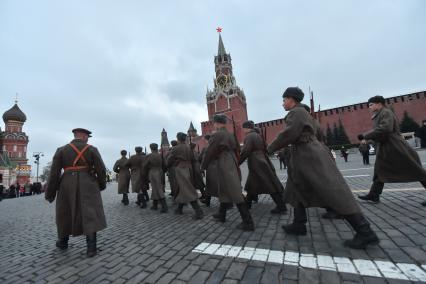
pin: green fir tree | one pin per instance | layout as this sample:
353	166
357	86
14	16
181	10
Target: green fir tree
408	124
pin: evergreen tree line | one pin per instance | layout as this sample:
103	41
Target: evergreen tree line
338	136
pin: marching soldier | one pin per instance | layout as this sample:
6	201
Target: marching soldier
182	157
262	178
220	159
79	209
313	177
135	163
197	176
153	167
396	161
123	175
171	173
211	175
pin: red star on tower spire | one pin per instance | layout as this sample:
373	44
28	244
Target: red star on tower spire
219	29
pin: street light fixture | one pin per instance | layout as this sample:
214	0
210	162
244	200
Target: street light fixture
37	156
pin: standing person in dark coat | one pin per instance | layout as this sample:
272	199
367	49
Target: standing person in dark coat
344	153
79	209
171	173
198	177
262	178
123	176
135	163
221	160
421	133
182	158
396	161
364	149
313	178
284	156
153	167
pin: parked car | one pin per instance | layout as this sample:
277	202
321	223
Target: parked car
372	150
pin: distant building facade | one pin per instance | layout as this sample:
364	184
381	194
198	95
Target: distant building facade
14	166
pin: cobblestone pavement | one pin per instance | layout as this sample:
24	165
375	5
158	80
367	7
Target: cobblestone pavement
144	246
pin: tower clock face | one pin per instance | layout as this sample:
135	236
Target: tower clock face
222	80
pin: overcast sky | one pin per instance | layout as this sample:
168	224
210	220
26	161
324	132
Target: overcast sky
126	69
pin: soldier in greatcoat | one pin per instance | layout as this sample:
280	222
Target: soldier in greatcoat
396	161
182	158
211	176
262	178
197	175
123	176
313	177
135	163
171	172
153	167
221	159
79	209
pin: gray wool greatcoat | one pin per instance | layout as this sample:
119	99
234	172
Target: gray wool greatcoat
79	209
123	175
181	158
313	177
135	163
153	167
262	178
396	161
222	165
172	176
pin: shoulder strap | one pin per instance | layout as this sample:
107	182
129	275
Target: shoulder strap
79	153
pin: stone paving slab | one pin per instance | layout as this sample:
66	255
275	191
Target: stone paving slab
144	246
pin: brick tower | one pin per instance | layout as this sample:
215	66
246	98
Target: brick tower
226	97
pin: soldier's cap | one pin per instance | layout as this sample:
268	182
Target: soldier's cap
82	130
220	118
207	137
248	124
174	143
376	100
123	152
295	93
181	137
138	149
153	146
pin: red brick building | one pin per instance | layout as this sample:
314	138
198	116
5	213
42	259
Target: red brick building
13	148
229	99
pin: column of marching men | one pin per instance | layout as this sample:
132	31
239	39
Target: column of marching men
78	175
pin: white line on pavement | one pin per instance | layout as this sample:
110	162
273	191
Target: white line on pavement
356	176
392	189
376	268
358	169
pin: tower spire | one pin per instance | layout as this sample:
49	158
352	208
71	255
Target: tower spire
221	48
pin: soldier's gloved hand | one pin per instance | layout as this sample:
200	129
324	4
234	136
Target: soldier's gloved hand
50	199
360	137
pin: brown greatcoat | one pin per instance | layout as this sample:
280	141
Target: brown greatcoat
221	164
153	167
313	177
123	175
262	178
135	163
396	161
172	176
198	177
211	175
79	209
181	158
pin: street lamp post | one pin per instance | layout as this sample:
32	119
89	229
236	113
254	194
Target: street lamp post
37	156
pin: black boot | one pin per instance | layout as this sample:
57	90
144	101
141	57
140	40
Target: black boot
199	214
364	235
370	197
125	199
424	203
279	201
331	214
143	203
139	198
62	243
146	196
91	245
163	203
221	215
247	224
248	200
179	209
207	200
154	205
298	227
